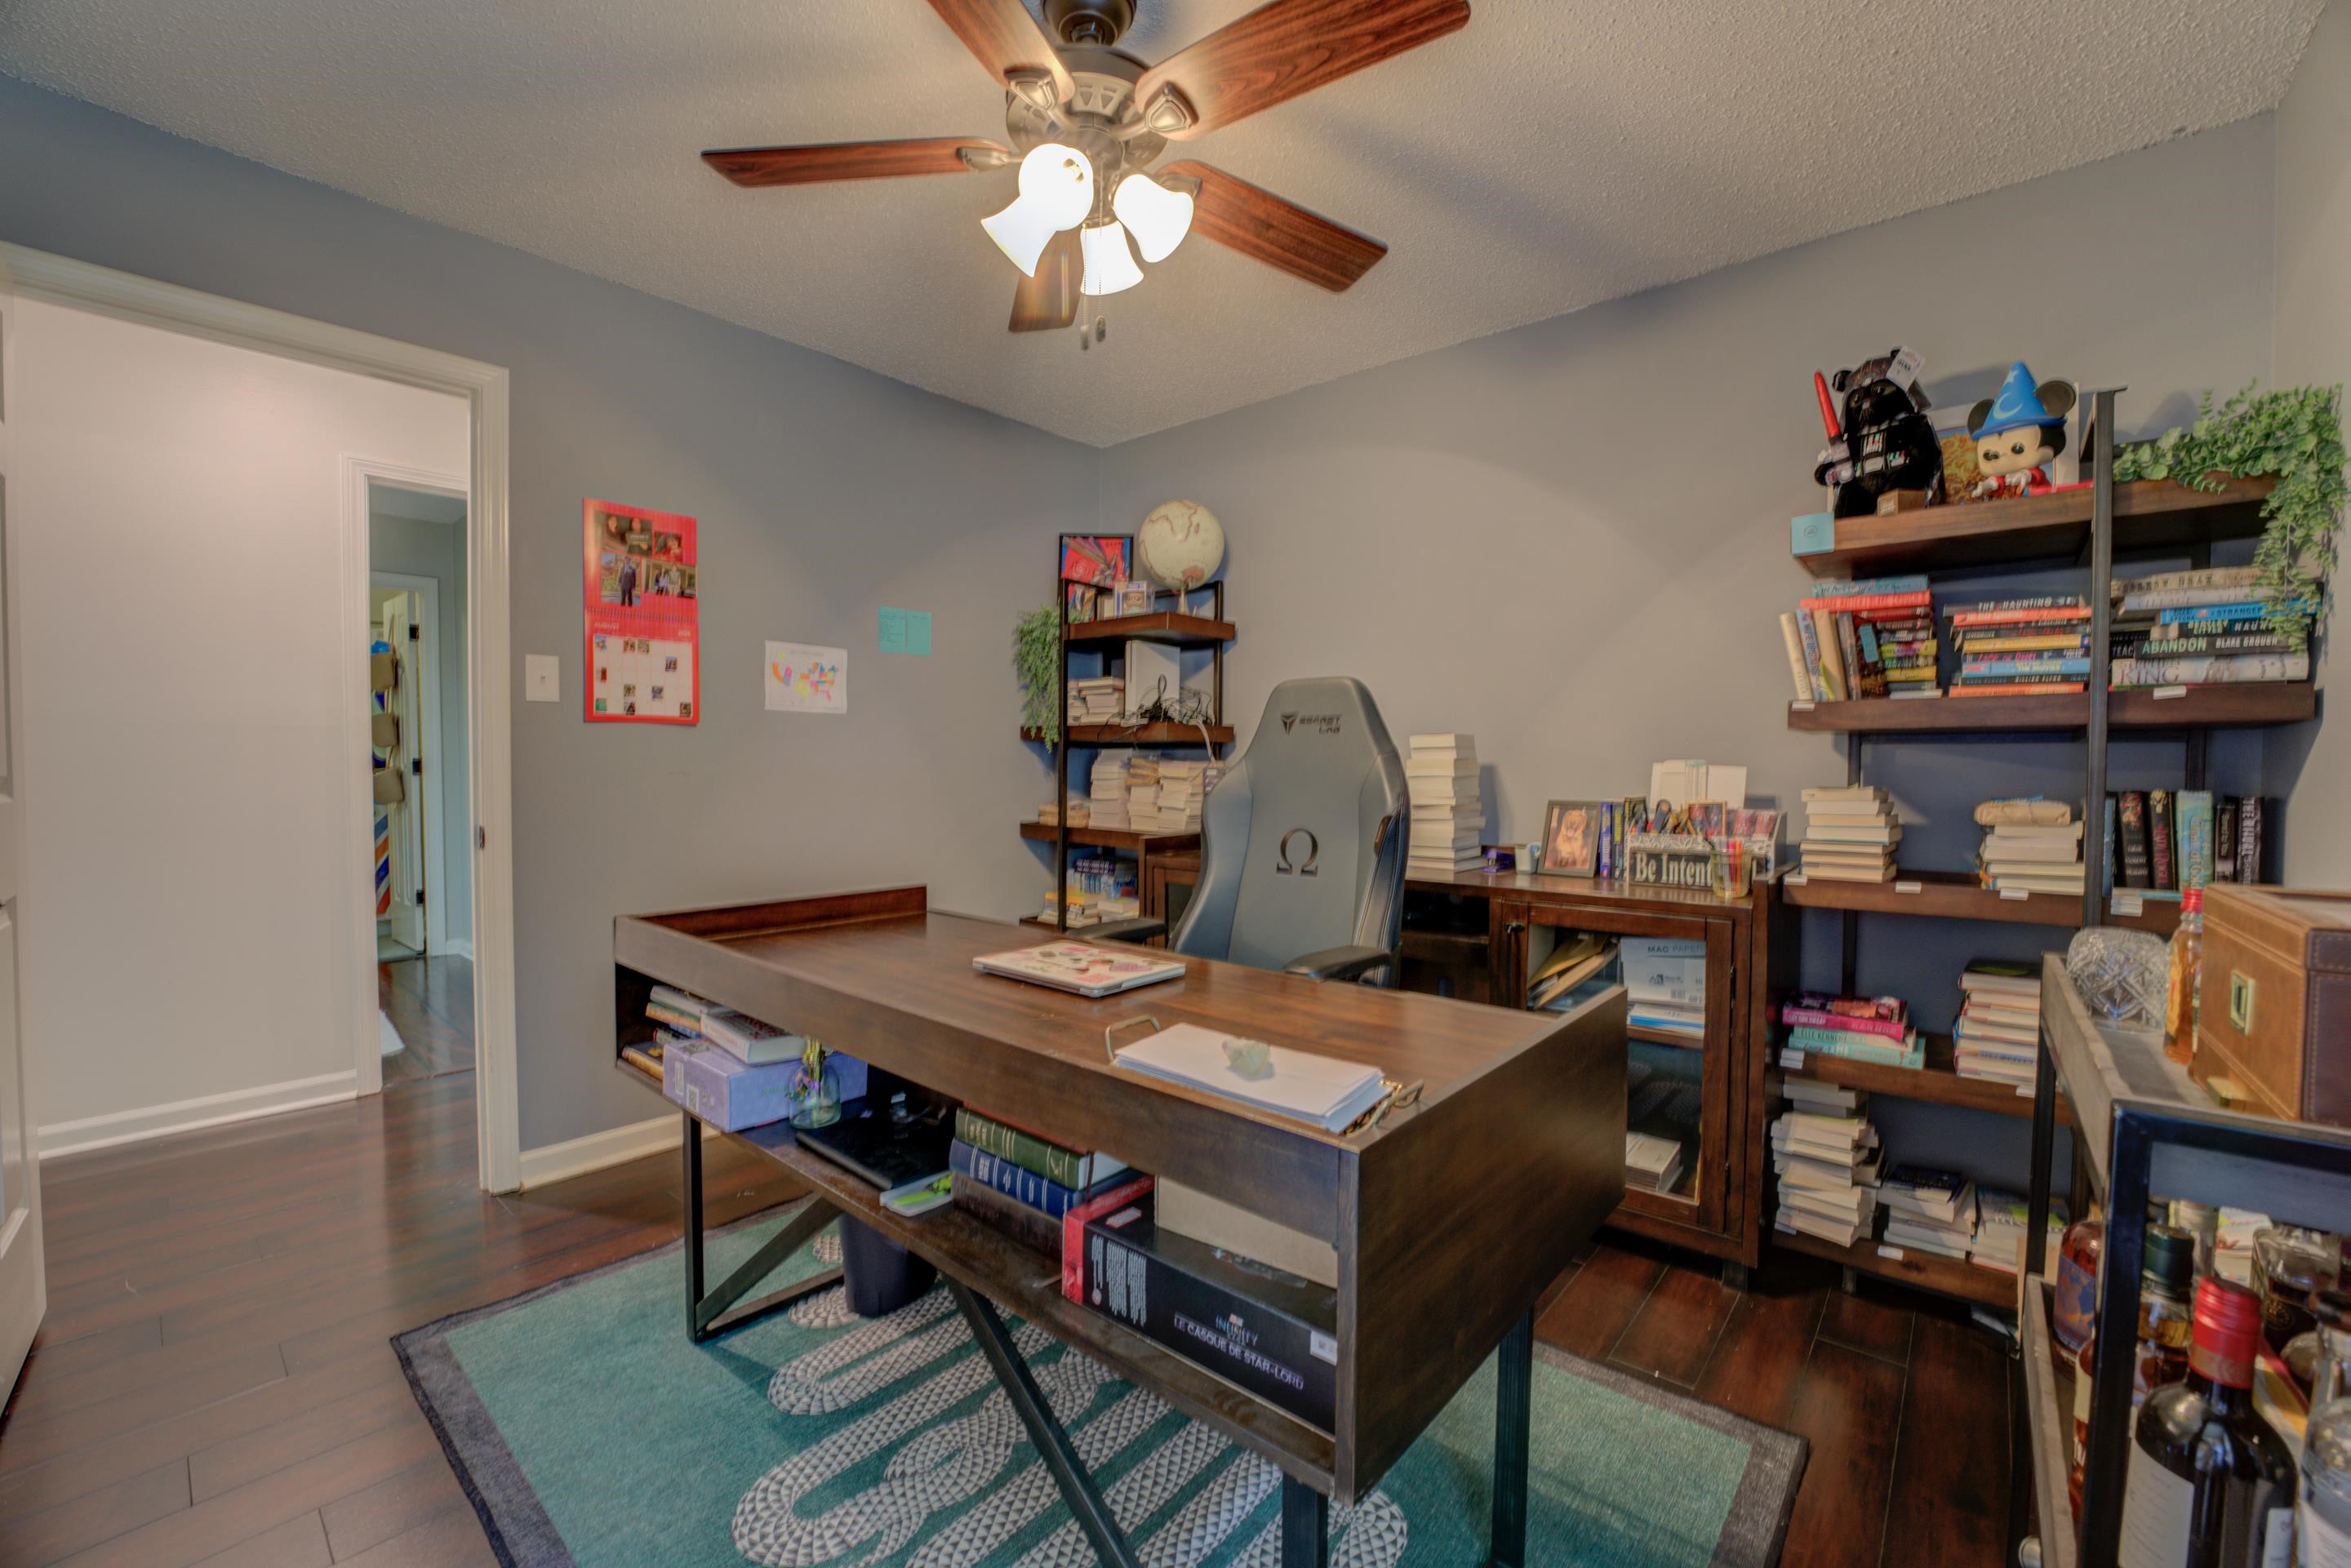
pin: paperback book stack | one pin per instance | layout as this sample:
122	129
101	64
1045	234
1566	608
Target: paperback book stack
2030	846
1850	831
2001	1217
1873	638
1097	699
2160	841
2022	647
1998	1029
1030	1187
1081	813
1142	792
2213	627
1661	1120
1829	1163
1858	1028
1664	983
1107	792
1928	1210
1184	786
1440	775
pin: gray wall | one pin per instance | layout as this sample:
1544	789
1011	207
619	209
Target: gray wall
823	492
1570	539
2314	348
437	551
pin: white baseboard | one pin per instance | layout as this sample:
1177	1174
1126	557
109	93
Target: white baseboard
188	1116
578	1156
456	947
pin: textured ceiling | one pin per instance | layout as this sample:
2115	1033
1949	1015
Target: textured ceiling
1552	154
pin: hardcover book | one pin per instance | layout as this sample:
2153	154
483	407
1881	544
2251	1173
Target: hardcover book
2131	835
1072	1168
2159	839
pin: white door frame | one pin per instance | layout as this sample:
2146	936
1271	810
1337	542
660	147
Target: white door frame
489	718
428	701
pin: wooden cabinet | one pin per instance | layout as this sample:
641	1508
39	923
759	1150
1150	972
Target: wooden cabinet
1168	884
1707	1092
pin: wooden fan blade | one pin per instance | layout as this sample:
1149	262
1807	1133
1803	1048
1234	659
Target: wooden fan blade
1005	38
1289	47
1262	226
753	167
1049	300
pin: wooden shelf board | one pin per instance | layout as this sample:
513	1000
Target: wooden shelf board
1937	1082
1115	838
1945	1276
2149	513
1956	895
1138	735
2195	708
1159	626
1650	1036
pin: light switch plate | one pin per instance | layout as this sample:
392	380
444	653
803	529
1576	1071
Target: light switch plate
542	680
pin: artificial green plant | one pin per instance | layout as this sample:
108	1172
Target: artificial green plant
1036	660
2293	435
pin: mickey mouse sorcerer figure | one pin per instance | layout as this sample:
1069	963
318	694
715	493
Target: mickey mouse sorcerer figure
2018	434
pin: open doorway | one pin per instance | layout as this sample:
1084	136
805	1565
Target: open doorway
422	828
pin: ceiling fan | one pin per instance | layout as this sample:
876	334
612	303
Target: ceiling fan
1086	122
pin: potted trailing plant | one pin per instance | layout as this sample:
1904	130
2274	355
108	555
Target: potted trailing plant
2293	435
1036	660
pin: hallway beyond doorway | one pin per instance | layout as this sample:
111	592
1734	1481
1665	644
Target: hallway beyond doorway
430	1002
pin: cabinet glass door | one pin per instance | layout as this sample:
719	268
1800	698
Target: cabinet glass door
1678	977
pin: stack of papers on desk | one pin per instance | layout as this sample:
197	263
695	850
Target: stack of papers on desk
1322	1090
1440	775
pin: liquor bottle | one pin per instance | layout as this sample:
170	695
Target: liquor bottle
2164	1318
2209	1485
2323	1510
2076	1306
2187	967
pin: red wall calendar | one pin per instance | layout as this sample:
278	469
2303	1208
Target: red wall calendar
643	615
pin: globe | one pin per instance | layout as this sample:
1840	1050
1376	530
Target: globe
1180	545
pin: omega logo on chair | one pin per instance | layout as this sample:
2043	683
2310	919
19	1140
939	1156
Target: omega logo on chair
1314	853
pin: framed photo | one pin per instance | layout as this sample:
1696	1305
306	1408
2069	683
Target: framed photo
1134	599
1570	839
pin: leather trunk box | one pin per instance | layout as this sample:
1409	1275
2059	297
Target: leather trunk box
2273	1019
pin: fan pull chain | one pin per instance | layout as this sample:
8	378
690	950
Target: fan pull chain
1089	335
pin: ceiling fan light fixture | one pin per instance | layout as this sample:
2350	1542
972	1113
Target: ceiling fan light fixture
1110	265
1156	216
1057	192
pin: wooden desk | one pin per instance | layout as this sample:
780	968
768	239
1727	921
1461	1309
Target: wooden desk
1449	1218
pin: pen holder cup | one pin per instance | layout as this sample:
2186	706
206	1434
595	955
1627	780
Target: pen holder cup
1730	870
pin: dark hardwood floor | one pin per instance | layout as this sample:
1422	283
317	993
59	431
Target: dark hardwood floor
215	1383
431	1002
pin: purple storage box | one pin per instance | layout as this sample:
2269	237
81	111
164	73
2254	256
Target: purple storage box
730	1095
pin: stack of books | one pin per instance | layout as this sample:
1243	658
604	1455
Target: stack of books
2213	627
1652	1164
1081	813
2029	845
2000	1021
1928	1210
1085	908
1859	1029
1097	699
1874	638
1664	982
1184	787
1142	792
1028	1186
1829	1162
1850	831
1107	792
2160	841
2022	647
2001	1219
1661	1122
1440	775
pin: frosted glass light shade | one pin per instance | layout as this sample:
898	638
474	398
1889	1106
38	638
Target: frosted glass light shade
1057	192
1156	216
1109	266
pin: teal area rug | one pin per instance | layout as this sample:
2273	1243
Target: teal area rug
589	1431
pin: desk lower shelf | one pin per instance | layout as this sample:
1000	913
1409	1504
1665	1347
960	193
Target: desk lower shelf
1945	1276
1027	1283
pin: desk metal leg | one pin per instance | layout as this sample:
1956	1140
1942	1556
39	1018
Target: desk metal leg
715	1313
1514	1403
1053	1445
1305	1525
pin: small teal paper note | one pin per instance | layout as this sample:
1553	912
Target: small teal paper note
1808	535
906	631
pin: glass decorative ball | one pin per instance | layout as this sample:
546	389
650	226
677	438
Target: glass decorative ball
2123	976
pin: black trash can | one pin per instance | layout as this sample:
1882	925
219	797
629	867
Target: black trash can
878	1275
